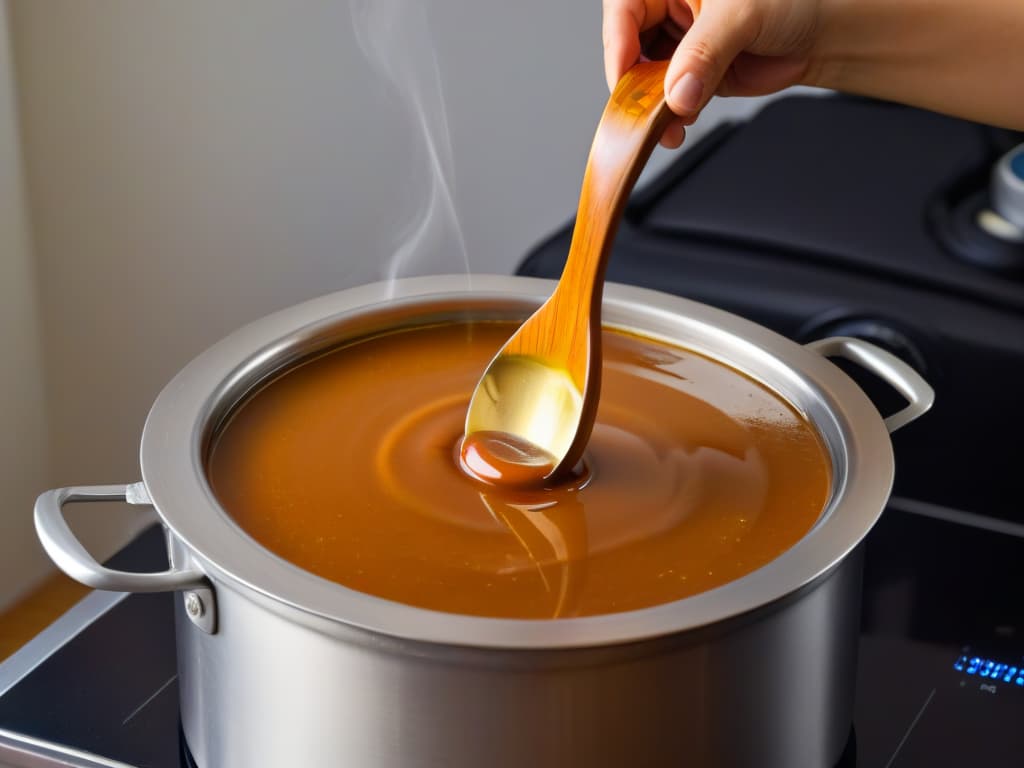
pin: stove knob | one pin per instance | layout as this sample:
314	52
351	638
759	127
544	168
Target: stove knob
1007	187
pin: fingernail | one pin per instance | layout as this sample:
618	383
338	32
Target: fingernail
686	93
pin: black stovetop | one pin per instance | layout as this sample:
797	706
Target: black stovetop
941	675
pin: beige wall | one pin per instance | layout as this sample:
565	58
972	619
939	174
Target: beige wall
23	456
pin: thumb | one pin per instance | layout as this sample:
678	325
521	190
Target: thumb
719	33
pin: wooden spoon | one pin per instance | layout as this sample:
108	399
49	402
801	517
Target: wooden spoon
533	410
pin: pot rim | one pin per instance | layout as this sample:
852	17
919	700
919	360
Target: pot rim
187	411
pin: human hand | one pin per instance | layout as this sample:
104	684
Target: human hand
725	47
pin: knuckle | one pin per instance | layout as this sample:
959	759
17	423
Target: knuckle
706	56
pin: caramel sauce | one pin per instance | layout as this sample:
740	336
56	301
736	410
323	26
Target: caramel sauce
499	458
351	466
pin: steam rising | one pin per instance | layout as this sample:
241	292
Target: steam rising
395	38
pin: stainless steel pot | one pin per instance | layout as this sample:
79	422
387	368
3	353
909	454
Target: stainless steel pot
279	667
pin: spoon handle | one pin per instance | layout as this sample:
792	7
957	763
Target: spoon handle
632	123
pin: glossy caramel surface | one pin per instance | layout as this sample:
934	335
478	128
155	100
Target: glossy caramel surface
349	467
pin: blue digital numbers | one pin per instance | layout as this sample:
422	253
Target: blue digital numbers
995	670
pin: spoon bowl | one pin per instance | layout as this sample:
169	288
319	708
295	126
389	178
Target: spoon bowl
533	409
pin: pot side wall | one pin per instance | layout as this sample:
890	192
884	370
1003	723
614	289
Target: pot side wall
771	689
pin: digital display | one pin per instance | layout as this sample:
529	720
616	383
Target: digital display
990	668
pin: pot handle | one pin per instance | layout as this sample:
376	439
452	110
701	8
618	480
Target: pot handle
900	376
70	556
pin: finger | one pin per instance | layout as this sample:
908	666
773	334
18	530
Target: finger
719	33
674	134
621	33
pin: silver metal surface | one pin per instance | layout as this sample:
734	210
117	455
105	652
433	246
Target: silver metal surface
20	751
203	611
772	689
995	225
900	376
70	556
1007	187
193	605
